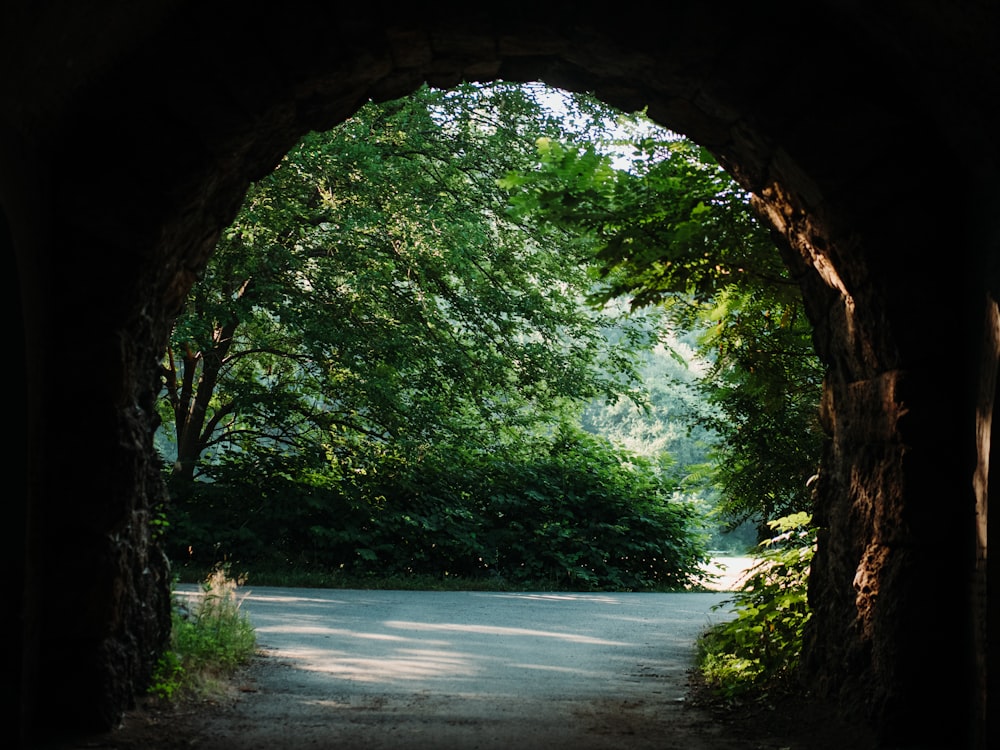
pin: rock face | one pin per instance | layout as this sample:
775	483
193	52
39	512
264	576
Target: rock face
128	136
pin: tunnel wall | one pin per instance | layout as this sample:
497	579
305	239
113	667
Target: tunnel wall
131	135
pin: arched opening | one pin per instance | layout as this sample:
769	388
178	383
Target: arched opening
375	330
833	163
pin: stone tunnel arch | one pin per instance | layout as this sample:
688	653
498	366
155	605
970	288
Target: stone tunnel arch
123	158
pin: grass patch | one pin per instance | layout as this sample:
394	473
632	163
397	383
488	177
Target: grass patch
210	639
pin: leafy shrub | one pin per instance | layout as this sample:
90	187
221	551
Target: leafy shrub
565	510
762	644
209	639
588	516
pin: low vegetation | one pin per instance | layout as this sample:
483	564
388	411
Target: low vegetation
210	638
566	511
760	646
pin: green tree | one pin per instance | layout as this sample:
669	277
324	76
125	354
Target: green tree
372	291
675	232
382	367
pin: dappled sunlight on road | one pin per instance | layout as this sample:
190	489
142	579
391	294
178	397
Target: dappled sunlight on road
401	665
502	631
341	633
502	643
392	669
591	598
249	594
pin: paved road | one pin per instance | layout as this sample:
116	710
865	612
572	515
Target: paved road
444	670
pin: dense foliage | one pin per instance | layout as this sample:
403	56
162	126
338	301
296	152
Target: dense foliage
761	645
372	290
565	511
674	232
381	368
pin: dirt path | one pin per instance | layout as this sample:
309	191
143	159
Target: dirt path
248	717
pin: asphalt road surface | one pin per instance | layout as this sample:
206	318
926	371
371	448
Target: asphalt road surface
403	670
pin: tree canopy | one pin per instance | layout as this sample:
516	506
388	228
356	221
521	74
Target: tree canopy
673	231
373	289
437	339
381	353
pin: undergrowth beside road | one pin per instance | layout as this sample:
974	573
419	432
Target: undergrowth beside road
210	639
760	647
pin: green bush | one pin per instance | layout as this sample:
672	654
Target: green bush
763	642
209	640
566	510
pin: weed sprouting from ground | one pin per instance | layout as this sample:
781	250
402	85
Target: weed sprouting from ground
210	638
